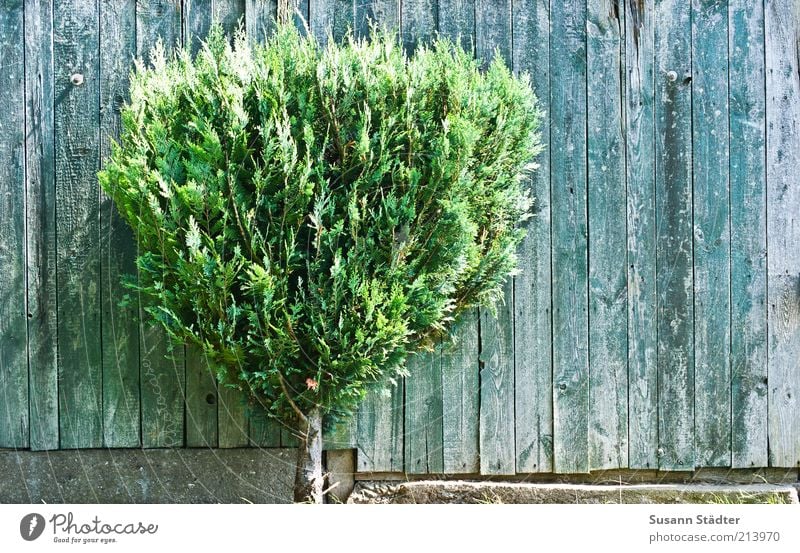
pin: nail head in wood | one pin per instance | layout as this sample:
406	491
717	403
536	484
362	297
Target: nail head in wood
76	79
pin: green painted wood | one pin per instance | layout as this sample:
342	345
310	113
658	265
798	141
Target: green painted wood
533	377
748	236
41	226
195	23
234	427
162	370
782	24
201	400
380	430
712	292
608	290
228	13
120	331
289	436
461	397
341	434
569	235
673	136
419	21
497	442
264	431
457	22
13	318
641	228
383	13
424	448
260	18
76	39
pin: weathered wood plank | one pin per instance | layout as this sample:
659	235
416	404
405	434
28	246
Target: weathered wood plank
196	18
383	13
14	414
344	18
234	427
321	19
341	434
675	313
418	19
264	431
260	19
748	235
459	22
228	13
201	400
41	226
493	29
497	442
117	246
424	453
782	24
641	222
712	292
77	87
162	371
533	377
380	429
608	309
461	397
569	234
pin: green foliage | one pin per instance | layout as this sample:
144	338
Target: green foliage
309	215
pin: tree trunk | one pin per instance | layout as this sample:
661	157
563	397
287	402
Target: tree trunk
308	477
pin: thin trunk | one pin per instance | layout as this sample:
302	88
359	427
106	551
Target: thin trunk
308	478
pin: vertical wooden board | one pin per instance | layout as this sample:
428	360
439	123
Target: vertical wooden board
493	30
782	33
383	13
569	236
162	370
497	441
341	434
232	412
117	246
41	226
228	13
201	400
195	23
13	320
608	309
260	19
419	21
344	18
157	20
76	52
423	414
289	437
674	234
461	397
380	429
457	22
264	431
321	17
533	377
712	292
748	235
641	223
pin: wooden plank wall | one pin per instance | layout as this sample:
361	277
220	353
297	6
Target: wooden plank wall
656	320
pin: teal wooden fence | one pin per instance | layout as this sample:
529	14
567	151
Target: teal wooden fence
656	321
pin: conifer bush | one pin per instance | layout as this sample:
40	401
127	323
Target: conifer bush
310	216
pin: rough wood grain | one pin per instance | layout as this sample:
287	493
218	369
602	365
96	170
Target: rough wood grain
380	430
121	406
608	309
675	314
234	427
641	222
264	431
41	225
424	453
341	434
533	377
201	400
196	18
13	318
459	22
493	30
461	397
228	13
344	18
419	21
76	39
260	18
782	24
162	370
748	235
569	235
383	13
321	18
712	292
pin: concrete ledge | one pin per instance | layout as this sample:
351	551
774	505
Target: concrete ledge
147	476
507	492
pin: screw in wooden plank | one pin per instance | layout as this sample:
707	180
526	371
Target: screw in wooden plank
672	76
76	79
